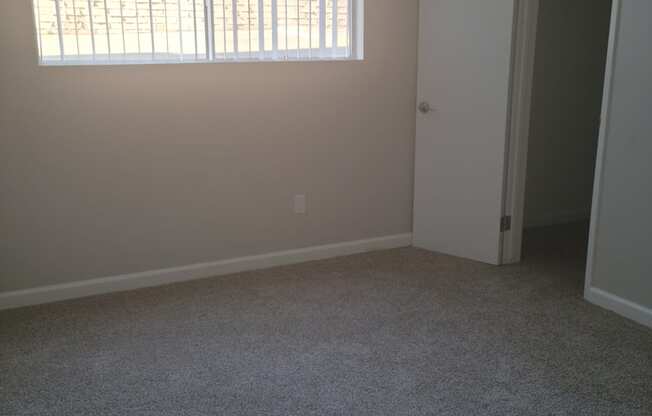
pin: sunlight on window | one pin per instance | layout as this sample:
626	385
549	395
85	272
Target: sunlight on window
141	31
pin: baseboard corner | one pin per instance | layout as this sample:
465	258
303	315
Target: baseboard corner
623	307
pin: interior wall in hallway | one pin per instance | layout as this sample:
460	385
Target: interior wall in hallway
622	260
570	59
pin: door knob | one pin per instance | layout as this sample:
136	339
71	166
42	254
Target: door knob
425	108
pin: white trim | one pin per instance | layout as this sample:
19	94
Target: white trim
624	307
602	143
151	278
297	56
519	128
38	38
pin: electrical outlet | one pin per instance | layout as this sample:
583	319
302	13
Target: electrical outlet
300	206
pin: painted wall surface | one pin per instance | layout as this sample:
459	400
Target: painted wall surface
567	97
623	260
113	170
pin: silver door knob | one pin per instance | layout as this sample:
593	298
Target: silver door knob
425	108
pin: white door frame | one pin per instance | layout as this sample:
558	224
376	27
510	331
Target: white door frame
525	32
602	142
522	80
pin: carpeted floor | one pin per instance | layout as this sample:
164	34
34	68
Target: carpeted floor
400	332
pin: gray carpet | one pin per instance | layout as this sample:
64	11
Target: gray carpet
399	332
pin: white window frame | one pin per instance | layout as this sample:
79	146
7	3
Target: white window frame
353	52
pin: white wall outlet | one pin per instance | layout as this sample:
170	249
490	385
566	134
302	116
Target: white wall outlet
300	206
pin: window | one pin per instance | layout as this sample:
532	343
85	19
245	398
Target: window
85	32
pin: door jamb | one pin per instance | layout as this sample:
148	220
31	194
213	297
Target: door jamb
602	143
519	127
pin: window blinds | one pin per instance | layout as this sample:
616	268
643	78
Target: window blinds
153	31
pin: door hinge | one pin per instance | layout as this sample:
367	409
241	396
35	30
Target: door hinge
505	223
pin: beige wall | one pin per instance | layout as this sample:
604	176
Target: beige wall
111	170
570	59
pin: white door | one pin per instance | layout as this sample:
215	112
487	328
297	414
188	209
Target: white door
464	75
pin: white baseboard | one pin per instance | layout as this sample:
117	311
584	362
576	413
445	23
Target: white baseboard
557	218
628	309
55	293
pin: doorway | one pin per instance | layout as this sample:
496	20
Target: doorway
491	77
559	78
